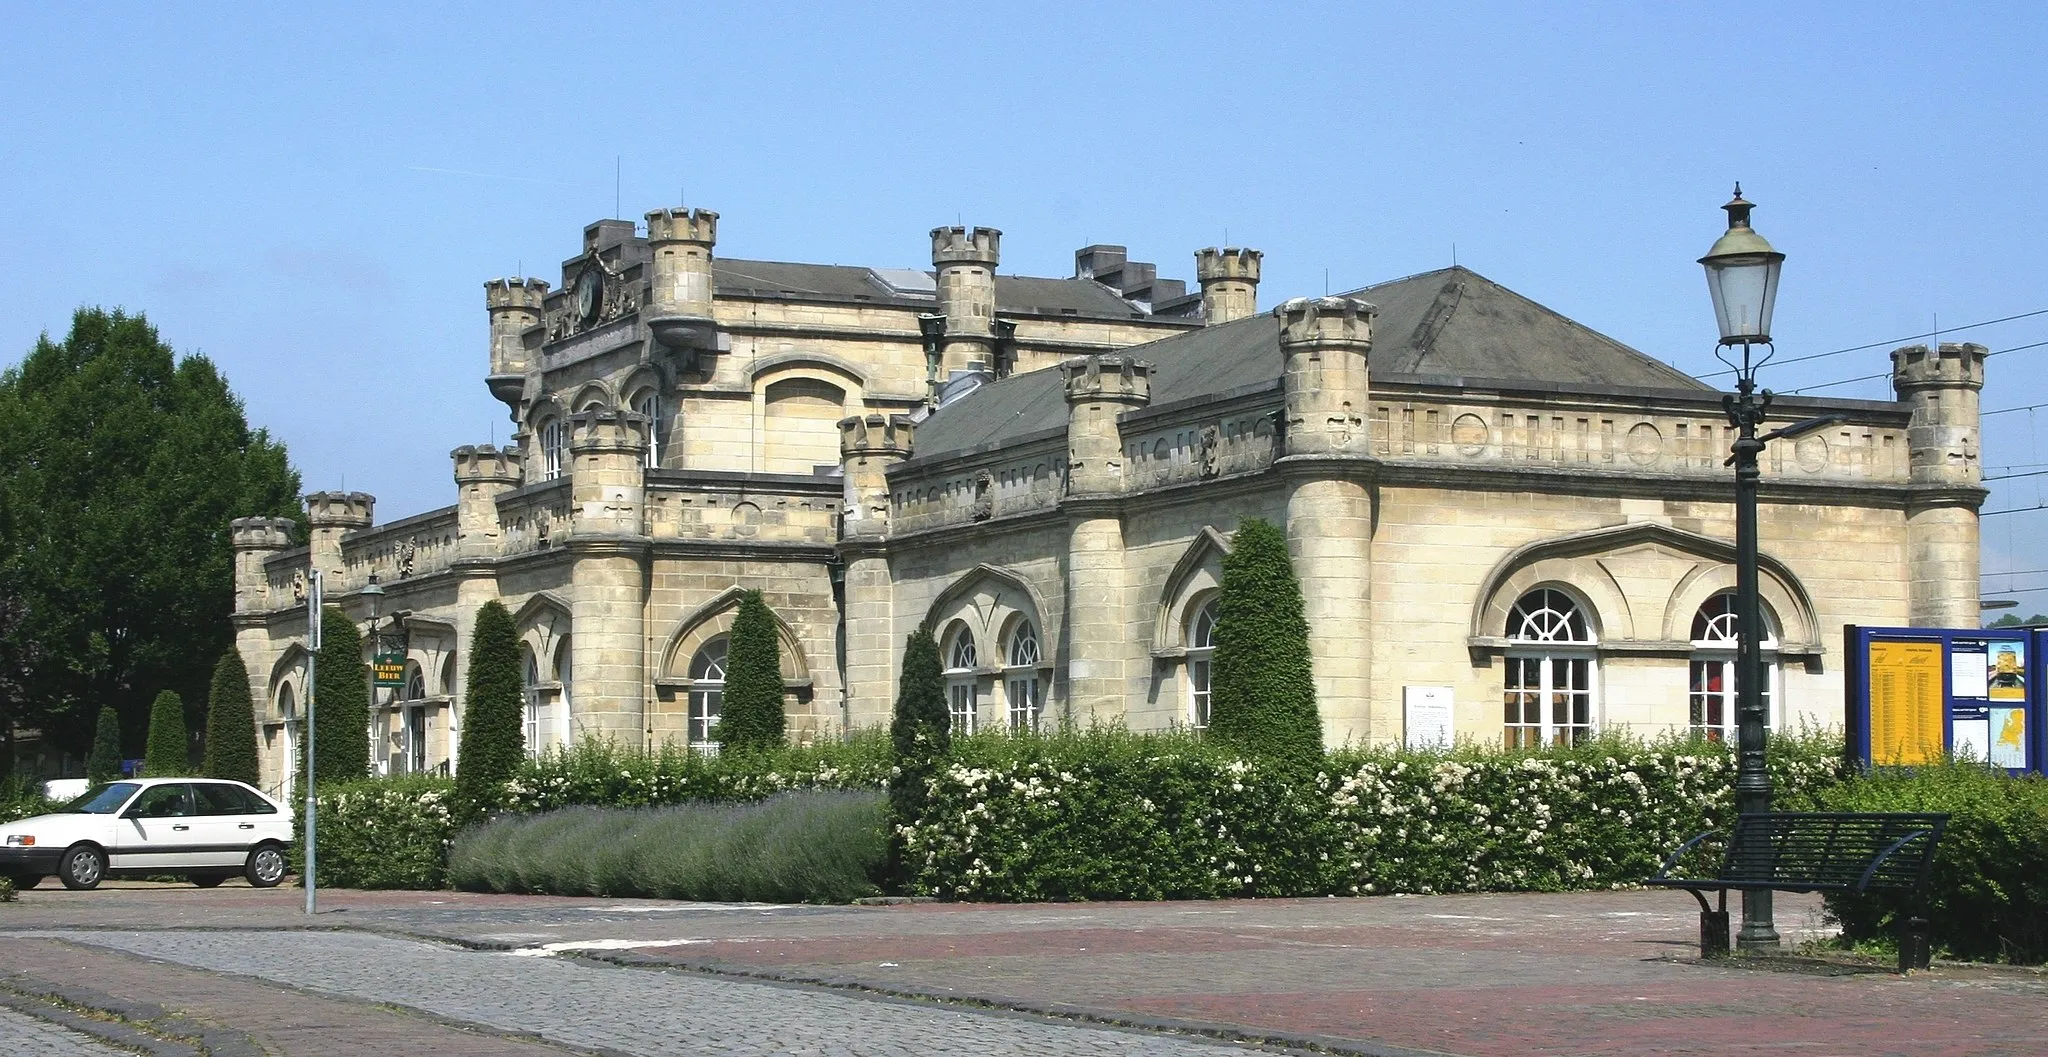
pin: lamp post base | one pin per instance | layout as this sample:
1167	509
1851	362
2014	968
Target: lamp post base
1758	933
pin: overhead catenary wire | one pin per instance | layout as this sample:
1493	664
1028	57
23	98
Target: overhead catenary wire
1888	374
1895	341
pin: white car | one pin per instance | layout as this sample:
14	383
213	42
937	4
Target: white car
205	828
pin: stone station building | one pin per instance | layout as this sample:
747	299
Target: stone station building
1488	504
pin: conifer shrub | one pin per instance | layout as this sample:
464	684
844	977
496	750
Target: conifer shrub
1262	687
230	723
104	763
168	750
493	745
341	706
920	736
751	719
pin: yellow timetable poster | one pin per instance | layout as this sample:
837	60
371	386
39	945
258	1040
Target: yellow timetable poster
1905	703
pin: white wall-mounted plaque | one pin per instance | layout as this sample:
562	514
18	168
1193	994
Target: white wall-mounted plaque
1428	711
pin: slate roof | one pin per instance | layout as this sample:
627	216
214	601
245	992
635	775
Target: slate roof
1084	298
1452	323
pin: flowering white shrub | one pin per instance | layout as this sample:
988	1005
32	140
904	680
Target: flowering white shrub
384	832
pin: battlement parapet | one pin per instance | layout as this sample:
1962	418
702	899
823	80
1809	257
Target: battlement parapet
876	434
343	510
520	293
680	224
1114	378
965	245
1228	263
486	464
1326	322
1949	365
607	430
261	533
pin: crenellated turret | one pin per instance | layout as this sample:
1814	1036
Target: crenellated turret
966	260
254	540
1099	389
680	292
869	445
482	474
607	490
515	308
1230	283
1943	387
333	515
1326	342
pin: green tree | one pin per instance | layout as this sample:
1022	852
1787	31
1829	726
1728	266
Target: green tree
2013	620
920	736
492	743
124	466
104	765
169	750
15	653
341	705
1262	688
751	717
230	723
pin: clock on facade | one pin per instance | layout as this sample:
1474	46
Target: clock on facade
589	294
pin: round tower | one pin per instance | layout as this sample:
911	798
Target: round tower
1099	389
255	540
1326	342
515	308
1100	662
869	446
1230	283
680	292
965	259
483	472
333	515
1942	387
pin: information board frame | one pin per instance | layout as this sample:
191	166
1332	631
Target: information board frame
1982	687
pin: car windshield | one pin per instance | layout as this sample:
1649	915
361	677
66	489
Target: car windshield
103	799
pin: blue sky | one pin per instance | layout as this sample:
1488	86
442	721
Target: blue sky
314	200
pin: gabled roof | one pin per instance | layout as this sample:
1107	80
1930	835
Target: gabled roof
1449	323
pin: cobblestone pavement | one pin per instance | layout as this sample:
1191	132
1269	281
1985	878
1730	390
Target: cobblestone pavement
24	1036
632	1011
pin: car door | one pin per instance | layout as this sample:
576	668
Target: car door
224	829
156	830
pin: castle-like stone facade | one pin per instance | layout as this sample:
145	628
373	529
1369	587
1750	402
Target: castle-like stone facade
1487	504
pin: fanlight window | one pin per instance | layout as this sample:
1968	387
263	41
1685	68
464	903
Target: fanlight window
1025	691
707	692
960	680
1713	694
1547	690
1547	615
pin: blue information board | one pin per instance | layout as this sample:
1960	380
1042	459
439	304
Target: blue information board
1920	695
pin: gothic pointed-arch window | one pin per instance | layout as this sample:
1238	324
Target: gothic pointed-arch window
707	693
1713	689
288	710
413	734
1547	692
960	678
1025	689
531	698
648	402
554	440
1201	653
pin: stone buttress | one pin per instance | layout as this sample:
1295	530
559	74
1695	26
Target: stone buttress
1096	638
483	472
1942	386
1327	456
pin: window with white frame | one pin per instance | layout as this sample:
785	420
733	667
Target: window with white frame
1547	692
1201	651
530	671
1026	691
1712	676
648	402
413	752
288	710
960	679
707	693
553	440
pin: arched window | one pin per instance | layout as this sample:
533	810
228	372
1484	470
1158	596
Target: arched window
413	738
707	693
1547	694
648	402
415	684
553	441
530	681
563	677
960	678
288	710
1201	650
1026	691
1713	671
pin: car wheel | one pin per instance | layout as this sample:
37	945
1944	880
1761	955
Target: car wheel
82	867
208	880
266	866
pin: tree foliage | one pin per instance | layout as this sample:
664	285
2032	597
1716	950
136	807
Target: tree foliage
104	764
2014	620
169	749
15	654
920	736
124	466
751	718
492	743
230	723
341	705
1263	691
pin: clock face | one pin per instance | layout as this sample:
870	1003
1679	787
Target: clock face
589	294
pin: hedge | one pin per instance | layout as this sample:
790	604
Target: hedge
599	774
1988	890
382	832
